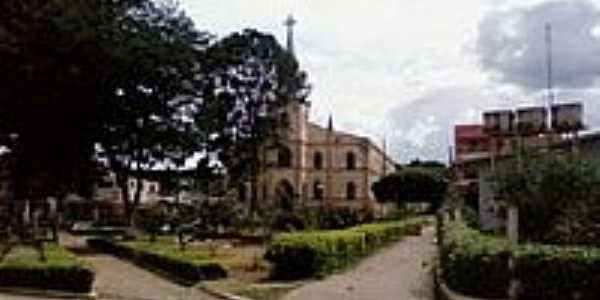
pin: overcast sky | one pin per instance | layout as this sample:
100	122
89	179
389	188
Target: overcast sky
409	70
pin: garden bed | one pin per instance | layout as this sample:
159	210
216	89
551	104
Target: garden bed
164	256
23	267
476	264
318	253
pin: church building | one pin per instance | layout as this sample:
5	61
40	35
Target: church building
318	166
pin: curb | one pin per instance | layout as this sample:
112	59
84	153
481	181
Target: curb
219	294
48	293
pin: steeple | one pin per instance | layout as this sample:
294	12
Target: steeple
330	123
289	23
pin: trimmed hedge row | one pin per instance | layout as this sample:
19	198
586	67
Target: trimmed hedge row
61	271
477	265
181	269
558	272
317	253
474	264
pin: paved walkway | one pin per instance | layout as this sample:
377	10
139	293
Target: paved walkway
401	272
120	280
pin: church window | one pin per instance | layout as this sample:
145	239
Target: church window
284	157
350	191
318	160
350	161
318	190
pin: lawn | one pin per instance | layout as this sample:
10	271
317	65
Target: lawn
23	266
248	272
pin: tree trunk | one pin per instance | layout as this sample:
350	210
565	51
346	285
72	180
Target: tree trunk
124	185
136	197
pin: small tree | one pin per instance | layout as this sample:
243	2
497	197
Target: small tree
556	195
410	185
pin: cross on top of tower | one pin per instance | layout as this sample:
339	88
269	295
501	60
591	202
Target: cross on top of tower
289	23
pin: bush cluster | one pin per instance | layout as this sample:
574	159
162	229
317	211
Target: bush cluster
317	253
558	272
476	264
60	271
181	269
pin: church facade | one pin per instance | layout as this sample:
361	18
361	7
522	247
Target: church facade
318	167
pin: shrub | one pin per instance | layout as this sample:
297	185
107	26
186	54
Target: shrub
558	273
473	263
339	218
60	271
317	253
288	221
476	264
172	262
556	195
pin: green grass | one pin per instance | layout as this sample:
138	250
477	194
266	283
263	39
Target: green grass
24	267
26	256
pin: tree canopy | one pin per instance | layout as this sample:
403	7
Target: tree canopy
556	195
411	184
93	75
248	78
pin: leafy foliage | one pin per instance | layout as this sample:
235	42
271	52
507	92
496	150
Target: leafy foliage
186	266
248	79
317	253
411	185
476	264
88	75
61	270
473	263
557	197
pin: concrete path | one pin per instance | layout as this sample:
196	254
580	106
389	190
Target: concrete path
120	280
400	272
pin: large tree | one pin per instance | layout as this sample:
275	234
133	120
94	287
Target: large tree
92	74
248	80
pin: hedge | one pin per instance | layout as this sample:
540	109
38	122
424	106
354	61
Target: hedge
173	264
318	253
60	271
476	264
473	263
558	272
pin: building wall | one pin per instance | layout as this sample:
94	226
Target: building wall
304	139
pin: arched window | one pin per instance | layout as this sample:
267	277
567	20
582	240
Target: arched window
350	191
318	160
318	190
284	157
350	161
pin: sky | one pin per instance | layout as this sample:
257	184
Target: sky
407	71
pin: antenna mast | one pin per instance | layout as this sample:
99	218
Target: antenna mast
549	64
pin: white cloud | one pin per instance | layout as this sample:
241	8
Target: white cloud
373	62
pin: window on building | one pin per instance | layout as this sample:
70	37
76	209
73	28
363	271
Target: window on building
318	160
350	191
152	188
284	157
350	161
318	190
